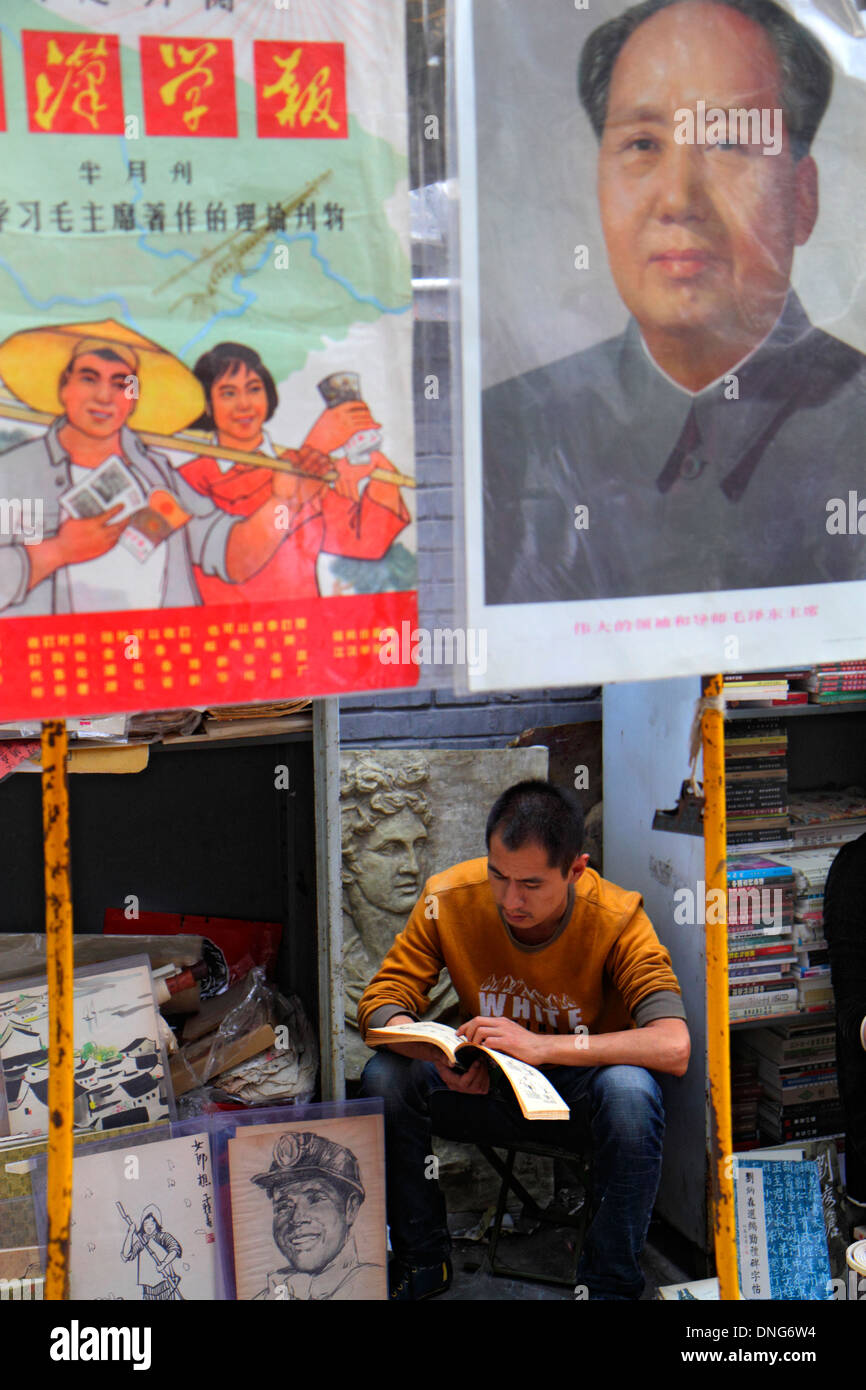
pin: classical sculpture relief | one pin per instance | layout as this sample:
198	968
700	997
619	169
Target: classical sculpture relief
386	818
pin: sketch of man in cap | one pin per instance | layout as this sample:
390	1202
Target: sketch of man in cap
156	1250
94	378
316	1190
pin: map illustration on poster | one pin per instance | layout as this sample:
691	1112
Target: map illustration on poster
665	328
206	432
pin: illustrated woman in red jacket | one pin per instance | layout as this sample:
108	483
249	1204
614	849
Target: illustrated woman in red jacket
357	516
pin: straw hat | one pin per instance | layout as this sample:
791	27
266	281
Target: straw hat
31	364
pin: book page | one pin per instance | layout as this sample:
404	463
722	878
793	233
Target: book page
539	1100
110	485
439	1034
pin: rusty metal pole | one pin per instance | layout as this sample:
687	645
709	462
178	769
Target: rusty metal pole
718	1024
61	1059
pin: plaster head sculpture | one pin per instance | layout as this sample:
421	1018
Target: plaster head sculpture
385	821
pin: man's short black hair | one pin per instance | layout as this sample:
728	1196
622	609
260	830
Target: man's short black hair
806	70
105	353
226	359
538	813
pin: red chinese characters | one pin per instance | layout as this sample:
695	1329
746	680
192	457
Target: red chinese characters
301	90
73	83
2	104
189	87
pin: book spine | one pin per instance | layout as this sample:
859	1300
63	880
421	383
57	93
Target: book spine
813	1131
757	806
760	878
803	1110
759	974
755	953
743	918
737	729
774	795
738	1015
798	1095
794	1055
806	1069
758	786
762	839
791	1052
770	899
760	764
754	747
766	995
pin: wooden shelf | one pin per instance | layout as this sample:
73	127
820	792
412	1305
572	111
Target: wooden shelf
796	711
292	730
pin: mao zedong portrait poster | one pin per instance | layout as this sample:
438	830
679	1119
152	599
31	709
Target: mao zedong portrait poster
671	308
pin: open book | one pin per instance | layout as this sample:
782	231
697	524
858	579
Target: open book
149	519
536	1097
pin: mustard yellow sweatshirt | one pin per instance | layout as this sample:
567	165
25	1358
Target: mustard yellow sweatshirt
603	970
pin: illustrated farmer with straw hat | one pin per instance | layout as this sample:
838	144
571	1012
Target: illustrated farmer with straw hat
94	379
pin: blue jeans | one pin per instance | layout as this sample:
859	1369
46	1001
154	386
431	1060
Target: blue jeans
617	1109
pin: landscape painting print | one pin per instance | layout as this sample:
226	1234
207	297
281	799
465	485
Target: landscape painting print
308	1210
119	1072
143	1224
207	490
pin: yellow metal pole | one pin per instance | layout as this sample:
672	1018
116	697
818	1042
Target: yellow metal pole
61	1061
718	1026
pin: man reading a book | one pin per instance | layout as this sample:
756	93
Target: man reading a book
561	969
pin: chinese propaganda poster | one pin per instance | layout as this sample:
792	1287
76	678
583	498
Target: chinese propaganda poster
206	440
665	381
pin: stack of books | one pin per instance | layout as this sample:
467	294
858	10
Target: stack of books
763	688
761	955
796	1065
756	785
837	683
827	817
746	1094
812	970
755	686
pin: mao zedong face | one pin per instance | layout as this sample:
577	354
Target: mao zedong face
700	237
312	1220
94	395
